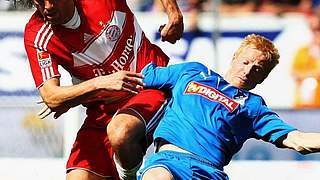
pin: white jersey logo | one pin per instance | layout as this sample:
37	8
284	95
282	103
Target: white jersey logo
102	47
113	32
212	94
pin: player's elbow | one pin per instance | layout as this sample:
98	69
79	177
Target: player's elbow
51	95
50	98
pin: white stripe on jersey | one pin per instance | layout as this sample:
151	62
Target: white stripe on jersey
41	43
51	71
47	41
44	35
101	48
47	73
38	35
44	78
83	59
137	44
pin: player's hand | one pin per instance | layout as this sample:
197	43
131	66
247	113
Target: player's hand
124	81
173	30
46	111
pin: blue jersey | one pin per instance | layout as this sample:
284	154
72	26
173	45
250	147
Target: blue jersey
208	116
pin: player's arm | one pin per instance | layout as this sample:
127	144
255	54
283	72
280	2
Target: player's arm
161	77
167	77
271	128
173	30
61	98
302	142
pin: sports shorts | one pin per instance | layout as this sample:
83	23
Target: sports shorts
183	166
91	150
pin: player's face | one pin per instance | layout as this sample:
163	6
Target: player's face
248	69
55	11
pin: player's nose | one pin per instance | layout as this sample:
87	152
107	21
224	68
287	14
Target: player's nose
48	6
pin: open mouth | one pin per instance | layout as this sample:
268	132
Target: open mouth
242	80
51	17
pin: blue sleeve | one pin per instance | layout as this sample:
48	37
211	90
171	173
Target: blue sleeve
269	127
167	77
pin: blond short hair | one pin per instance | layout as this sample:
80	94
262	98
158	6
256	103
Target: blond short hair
261	44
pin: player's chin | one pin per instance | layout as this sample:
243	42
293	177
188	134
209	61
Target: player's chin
54	21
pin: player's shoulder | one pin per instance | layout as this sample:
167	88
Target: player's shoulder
194	64
34	24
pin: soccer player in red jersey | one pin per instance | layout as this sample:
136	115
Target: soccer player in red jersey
102	46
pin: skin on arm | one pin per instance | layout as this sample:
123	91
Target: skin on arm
60	99
157	173
304	143
173	30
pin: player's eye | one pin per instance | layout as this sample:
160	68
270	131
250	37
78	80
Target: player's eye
245	62
257	69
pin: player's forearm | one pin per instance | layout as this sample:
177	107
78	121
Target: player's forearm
71	96
55	95
304	143
172	9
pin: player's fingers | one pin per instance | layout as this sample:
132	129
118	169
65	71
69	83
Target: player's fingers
164	32
134	74
130	91
172	40
134	81
131	88
161	27
40	101
170	36
57	115
44	113
43	109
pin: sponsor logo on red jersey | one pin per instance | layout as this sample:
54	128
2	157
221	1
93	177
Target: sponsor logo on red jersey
44	59
119	63
113	33
212	94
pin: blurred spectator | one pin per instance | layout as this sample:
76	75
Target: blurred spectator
306	67
285	6
13	5
239	6
195	7
5	5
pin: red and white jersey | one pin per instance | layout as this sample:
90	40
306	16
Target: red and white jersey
108	40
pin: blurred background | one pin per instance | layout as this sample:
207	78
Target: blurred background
31	148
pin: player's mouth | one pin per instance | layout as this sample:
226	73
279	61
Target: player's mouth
242	80
52	18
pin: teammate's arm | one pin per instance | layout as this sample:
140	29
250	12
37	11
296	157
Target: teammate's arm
302	142
61	98
173	30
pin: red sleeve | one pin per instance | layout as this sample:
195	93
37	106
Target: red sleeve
43	64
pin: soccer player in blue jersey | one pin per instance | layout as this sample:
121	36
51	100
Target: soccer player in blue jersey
209	117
